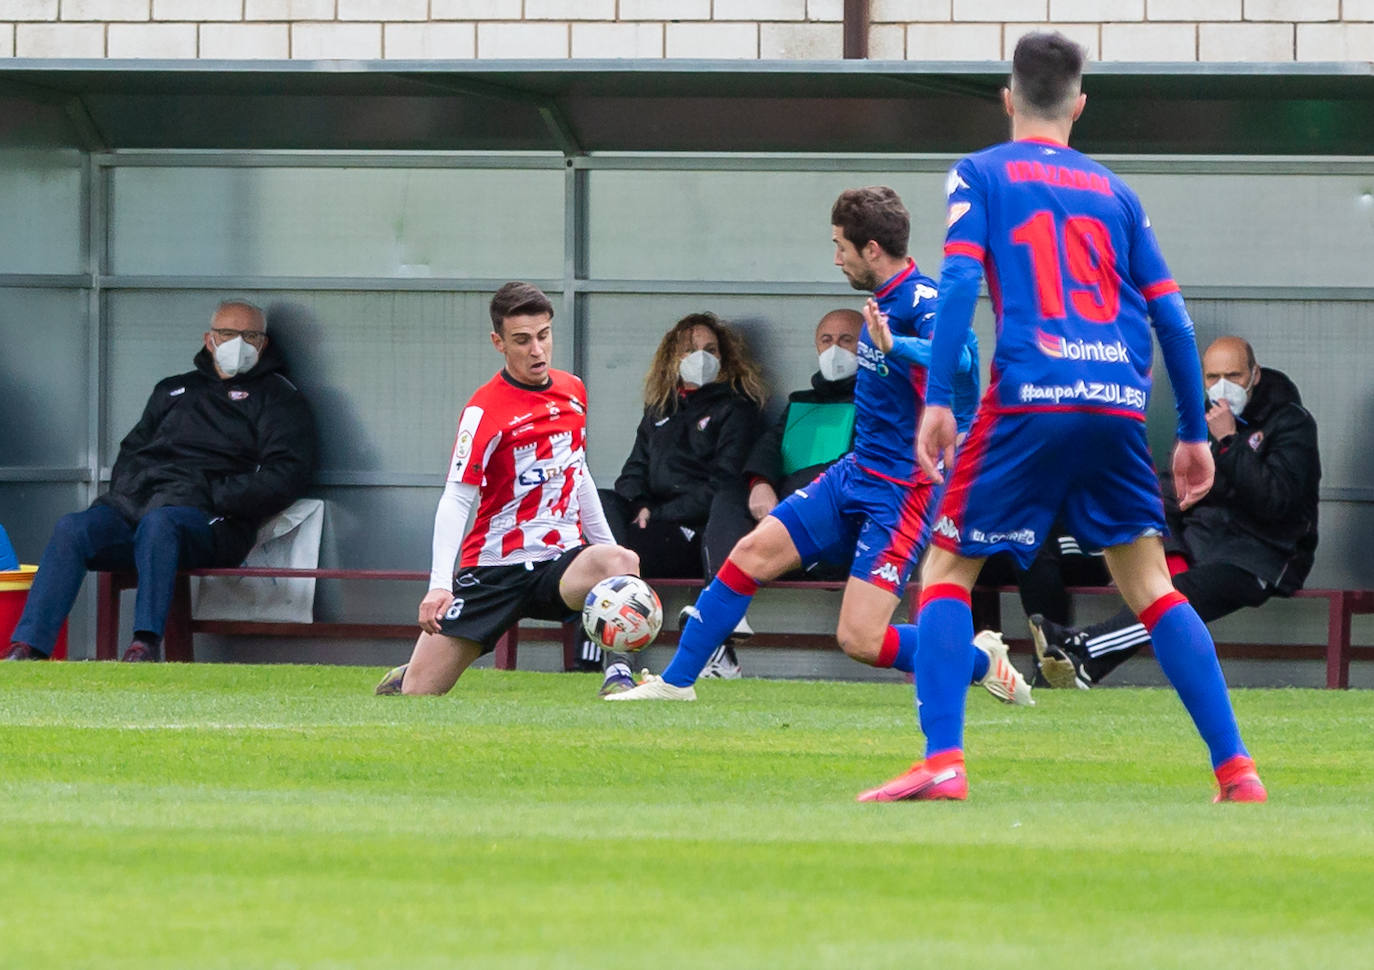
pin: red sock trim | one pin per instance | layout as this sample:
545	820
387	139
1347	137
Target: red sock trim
887	655
1234	768
737	579
1153	613
946	591
949	758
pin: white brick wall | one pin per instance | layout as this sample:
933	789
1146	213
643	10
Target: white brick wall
1192	11
28	9
151	40
926	30
1245	42
434	41
378	10
527	41
1149	42
1336	42
234	42
665	9
638	40
1096	11
196	11
713	40
1292	10
335	41
105	10
810	42
954	42
59	40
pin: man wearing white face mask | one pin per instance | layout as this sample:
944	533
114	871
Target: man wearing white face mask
817	427
1251	538
217	451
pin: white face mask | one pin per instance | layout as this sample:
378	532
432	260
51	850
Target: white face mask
699	368
1233	394
838	363
236	356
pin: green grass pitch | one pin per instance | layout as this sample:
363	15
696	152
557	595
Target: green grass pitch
243	817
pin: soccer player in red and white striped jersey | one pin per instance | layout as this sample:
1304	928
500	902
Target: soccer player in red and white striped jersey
519	458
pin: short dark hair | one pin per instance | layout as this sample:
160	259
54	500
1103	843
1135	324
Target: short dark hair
874	212
517	299
1045	72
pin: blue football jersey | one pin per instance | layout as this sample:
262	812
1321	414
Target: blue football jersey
889	395
1071	264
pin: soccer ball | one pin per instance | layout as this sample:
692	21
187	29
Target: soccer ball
622	613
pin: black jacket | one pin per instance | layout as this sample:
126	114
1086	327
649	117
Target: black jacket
765	458
679	461
241	449
1261	513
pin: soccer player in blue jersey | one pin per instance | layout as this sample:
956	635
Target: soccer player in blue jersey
1077	280
874	502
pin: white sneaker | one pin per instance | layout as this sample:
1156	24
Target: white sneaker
723	665
653	688
1002	681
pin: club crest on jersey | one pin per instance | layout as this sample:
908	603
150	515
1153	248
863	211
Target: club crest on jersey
464	443
957	211
701	425
1255	440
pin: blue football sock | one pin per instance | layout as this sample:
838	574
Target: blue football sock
1185	651
944	665
719	609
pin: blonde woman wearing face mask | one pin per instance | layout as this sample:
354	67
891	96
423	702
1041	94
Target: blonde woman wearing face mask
680	501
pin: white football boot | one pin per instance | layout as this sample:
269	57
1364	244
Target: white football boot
1002	681
652	687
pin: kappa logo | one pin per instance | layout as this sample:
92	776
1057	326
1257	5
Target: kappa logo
954	182
887	573
957	211
946	527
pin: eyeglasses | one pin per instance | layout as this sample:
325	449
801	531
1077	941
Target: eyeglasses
254	337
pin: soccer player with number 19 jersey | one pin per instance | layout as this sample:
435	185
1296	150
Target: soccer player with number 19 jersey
1077	281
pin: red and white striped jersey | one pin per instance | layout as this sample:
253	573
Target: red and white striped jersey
525	450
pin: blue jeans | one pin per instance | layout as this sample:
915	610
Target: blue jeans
166	539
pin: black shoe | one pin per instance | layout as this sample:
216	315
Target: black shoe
140	652
1058	655
22	651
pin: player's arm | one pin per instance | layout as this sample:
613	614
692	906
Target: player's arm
1193	468
450	526
909	350
594	525
960	277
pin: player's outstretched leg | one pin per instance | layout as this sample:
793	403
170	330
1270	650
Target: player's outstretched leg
763	554
1185	651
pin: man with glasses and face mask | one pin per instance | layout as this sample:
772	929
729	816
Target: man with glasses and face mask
1250	538
218	450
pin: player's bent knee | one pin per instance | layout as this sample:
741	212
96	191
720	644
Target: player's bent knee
858	643
762	554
